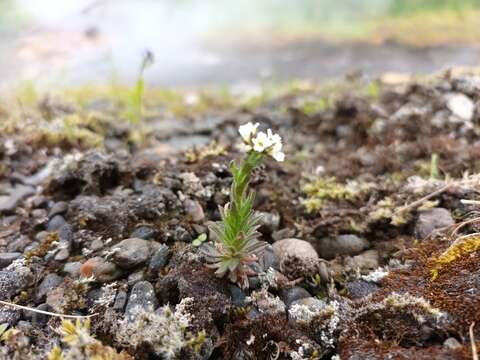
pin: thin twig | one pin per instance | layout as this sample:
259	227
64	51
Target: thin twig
423	199
47	312
472	342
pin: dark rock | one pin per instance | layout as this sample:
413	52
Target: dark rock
7	258
141	298
289	295
432	219
13	281
50	282
92	173
269	259
120	300
329	248
360	288
41	319
56	223
143	232
9	203
159	259
238	296
270	222
132	252
58	208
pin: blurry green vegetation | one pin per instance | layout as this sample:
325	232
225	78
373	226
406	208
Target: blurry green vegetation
403	7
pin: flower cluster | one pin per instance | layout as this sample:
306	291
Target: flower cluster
261	142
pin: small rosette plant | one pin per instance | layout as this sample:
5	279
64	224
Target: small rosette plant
237	244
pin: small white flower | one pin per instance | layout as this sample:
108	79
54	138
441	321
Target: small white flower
248	131
261	142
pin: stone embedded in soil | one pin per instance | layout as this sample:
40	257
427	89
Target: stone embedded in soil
58	208
7	258
9	315
135	277
368	260
360	288
461	106
143	232
452	343
270	222
72	269
120	300
159	259
56	223
238	296
9	203
101	269
39	319
270	259
432	219
289	295
50	282
349	244
132	252
194	209
142	297
292	247
13	281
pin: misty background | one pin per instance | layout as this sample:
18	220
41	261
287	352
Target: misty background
228	42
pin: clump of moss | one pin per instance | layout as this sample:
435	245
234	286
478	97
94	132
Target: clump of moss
386	209
320	190
80	344
212	149
42	249
461	247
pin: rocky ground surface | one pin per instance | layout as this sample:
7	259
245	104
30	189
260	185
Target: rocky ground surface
372	220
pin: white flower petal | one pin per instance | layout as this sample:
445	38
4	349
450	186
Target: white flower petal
279	156
247	131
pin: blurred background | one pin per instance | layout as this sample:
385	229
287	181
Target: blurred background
220	42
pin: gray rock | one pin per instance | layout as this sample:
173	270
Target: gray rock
159	259
56	223
62	255
50	282
461	106
283	234
329	248
194	209
7	258
368	260
9	203
96	244
452	344
9	315
13	281
290	295
19	244
72	269
132	252
360	288
432	219
58	208
300	249
313	305
141	298
143	232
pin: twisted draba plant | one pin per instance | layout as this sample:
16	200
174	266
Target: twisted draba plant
237	244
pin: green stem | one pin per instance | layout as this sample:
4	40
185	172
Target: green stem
241	178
